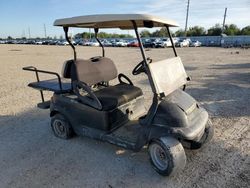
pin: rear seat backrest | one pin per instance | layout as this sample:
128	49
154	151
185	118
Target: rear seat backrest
91	71
95	70
168	75
66	69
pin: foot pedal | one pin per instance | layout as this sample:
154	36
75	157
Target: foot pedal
44	105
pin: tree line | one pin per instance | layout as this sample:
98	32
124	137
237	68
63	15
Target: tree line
87	35
216	30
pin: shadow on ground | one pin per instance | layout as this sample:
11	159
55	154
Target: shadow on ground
232	66
225	95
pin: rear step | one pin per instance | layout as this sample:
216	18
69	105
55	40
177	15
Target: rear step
44	105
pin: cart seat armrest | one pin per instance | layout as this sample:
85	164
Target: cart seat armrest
91	99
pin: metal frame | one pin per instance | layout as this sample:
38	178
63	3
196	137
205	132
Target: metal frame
34	69
175	53
66	29
154	105
156	98
96	32
73	47
171	39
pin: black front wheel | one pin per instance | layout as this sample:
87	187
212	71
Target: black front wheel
167	155
61	127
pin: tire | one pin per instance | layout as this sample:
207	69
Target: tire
209	130
61	127
207	136
167	155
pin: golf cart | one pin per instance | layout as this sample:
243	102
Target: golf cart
85	103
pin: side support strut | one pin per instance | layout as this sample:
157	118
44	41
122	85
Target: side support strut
66	29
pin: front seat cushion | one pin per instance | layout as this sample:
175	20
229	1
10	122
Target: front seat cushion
114	96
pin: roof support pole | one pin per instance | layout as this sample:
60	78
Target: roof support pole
66	29
171	39
145	62
103	51
153	108
139	41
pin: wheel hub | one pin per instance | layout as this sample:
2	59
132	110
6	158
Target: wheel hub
159	156
59	127
162	154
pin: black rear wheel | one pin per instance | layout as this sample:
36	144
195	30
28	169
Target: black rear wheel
61	127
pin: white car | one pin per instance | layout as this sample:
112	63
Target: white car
94	43
167	42
106	43
39	42
183	43
175	40
63	43
121	43
91	43
196	44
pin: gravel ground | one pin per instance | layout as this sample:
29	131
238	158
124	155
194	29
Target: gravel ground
30	156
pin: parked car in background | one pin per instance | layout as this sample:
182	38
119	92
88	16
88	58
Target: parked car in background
150	43
87	43
163	43
167	42
39	42
92	42
79	42
183	43
133	43
196	44
106	42
159	44
62	42
146	43
121	43
175	40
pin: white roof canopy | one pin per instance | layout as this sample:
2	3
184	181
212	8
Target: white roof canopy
122	21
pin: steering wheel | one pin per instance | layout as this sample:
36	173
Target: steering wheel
140	67
120	76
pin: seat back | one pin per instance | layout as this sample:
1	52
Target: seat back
66	69
90	71
168	75
95	70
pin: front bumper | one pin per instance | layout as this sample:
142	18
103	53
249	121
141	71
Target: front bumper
196	128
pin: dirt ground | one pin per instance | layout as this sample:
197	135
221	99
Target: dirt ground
31	156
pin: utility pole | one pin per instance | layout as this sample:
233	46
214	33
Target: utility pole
45	34
224	20
23	34
187	18
223	28
29	32
89	34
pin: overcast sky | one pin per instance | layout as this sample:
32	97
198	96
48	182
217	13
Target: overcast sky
16	16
